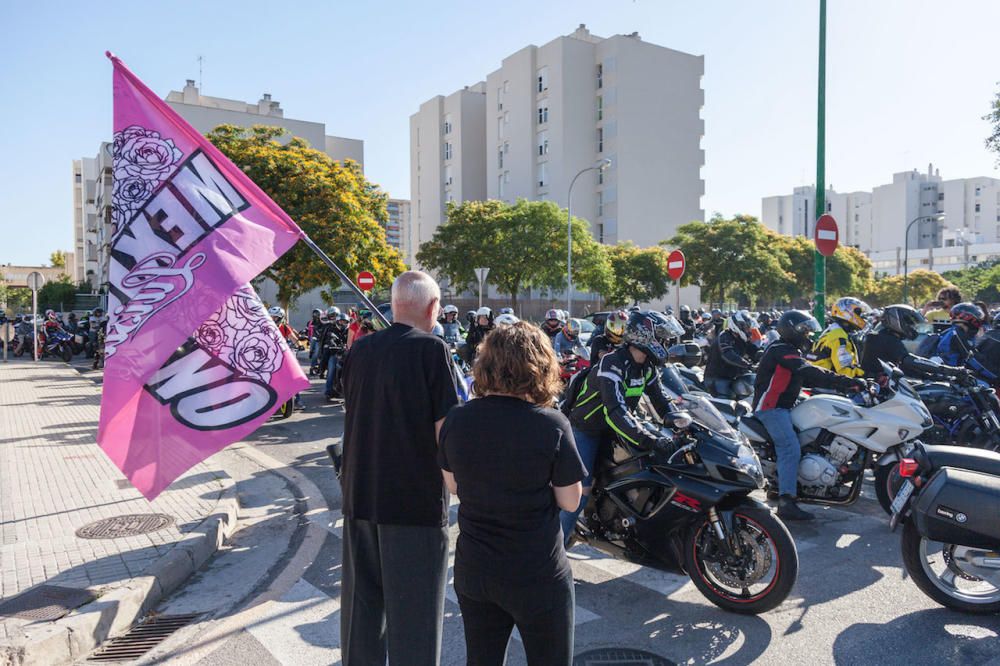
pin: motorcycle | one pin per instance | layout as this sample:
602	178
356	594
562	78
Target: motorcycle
573	362
948	503
22	339
57	342
691	513
841	438
963	414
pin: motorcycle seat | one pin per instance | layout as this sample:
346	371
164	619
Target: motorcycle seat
976	460
756	426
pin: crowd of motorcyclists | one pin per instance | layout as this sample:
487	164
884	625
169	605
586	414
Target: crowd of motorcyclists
58	335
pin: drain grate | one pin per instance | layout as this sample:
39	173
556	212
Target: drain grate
125	526
620	657
142	638
45	602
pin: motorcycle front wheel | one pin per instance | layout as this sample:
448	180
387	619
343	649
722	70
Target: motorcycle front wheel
941	578
67	353
753	582
887	484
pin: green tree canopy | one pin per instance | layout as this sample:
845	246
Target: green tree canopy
640	274
993	117
57	294
523	245
58	259
978	283
848	271
923	286
333	203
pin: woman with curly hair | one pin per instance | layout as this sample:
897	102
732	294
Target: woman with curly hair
511	459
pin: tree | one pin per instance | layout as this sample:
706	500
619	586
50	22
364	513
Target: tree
848	271
58	259
333	203
993	117
640	274
732	256
979	282
923	286
57	294
523	245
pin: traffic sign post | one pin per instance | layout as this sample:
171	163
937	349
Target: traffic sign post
819	277
7	333
481	274
366	281
675	271
35	282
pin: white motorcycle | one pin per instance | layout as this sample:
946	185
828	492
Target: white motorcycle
841	438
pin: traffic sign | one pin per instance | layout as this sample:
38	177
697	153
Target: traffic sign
827	235
366	281
35	280
675	265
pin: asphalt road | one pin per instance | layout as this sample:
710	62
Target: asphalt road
852	603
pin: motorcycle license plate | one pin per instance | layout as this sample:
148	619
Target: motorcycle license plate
902	496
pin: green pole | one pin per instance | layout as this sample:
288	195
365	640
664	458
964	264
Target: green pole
819	309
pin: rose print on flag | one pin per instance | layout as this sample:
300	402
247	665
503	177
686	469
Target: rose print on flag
142	160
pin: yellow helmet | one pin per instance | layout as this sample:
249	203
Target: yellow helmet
614	326
850	311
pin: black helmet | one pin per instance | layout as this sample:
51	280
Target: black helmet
648	332
969	314
796	328
903	321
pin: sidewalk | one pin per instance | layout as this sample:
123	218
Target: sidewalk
54	480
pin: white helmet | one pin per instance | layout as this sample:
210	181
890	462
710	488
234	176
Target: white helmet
740	323
276	312
484	312
332	311
506	319
448	309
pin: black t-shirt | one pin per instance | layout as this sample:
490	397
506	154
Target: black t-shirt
881	346
505	453
397	384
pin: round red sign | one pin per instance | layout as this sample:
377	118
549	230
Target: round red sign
366	281
675	265
827	235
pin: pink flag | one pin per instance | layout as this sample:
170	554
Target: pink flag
193	362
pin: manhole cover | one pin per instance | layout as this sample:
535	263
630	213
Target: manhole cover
45	602
620	657
125	526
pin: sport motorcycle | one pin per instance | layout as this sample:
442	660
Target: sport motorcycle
840	438
691	513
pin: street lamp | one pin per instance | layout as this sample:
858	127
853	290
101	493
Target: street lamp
906	249
600	165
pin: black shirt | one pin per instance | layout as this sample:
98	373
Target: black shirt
600	345
397	384
728	356
505	453
881	346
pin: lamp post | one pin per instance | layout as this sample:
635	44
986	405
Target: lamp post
906	250
600	165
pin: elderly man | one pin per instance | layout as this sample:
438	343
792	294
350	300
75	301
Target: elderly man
398	387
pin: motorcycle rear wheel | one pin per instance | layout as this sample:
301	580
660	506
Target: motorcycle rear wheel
771	547
67	353
943	586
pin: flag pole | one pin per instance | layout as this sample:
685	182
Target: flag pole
344	279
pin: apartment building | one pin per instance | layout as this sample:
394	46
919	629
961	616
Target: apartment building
397	230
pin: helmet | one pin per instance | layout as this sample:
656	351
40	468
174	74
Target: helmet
342	317
850	312
552	313
646	332
669	310
506	319
764	319
740	323
365	313
903	321
448	309
968	314
685	308
572	329
716	312
332	311
51	315
276	312
509	311
797	328
317	311
484	312
614	326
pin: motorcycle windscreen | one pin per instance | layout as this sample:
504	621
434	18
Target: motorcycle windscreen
959	506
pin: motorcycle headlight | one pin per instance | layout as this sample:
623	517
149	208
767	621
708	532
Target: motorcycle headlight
747	462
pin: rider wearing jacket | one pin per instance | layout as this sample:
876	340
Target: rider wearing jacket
730	355
955	345
610	339
609	394
568	338
780	376
477	332
453	331
835	349
901	322
553	324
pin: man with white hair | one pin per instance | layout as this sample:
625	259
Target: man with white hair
398	387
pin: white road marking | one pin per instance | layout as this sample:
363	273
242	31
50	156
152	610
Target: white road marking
301	628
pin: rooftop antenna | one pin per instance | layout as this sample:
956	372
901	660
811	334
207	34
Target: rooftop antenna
201	82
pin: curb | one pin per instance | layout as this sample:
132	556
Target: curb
79	633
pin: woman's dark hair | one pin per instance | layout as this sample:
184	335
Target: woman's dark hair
518	360
950	295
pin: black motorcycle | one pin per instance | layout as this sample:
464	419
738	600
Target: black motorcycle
965	414
948	502
691	514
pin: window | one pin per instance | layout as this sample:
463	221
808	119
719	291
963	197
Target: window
543	115
600	76
447	175
855	217
543	175
600	232
499	99
978	190
500	127
77	177
600	107
543	143
600	204
500	185
600	176
447	150
542	80
447	124
978	207
499	158
940	196
600	139
506	86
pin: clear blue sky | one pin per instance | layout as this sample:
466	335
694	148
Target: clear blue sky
908	81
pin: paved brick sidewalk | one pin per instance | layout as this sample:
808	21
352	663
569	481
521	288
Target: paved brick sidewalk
54	479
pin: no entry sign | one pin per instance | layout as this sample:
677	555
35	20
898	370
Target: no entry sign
675	265
366	281
827	235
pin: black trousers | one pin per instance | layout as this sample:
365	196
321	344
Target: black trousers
392	601
542	613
